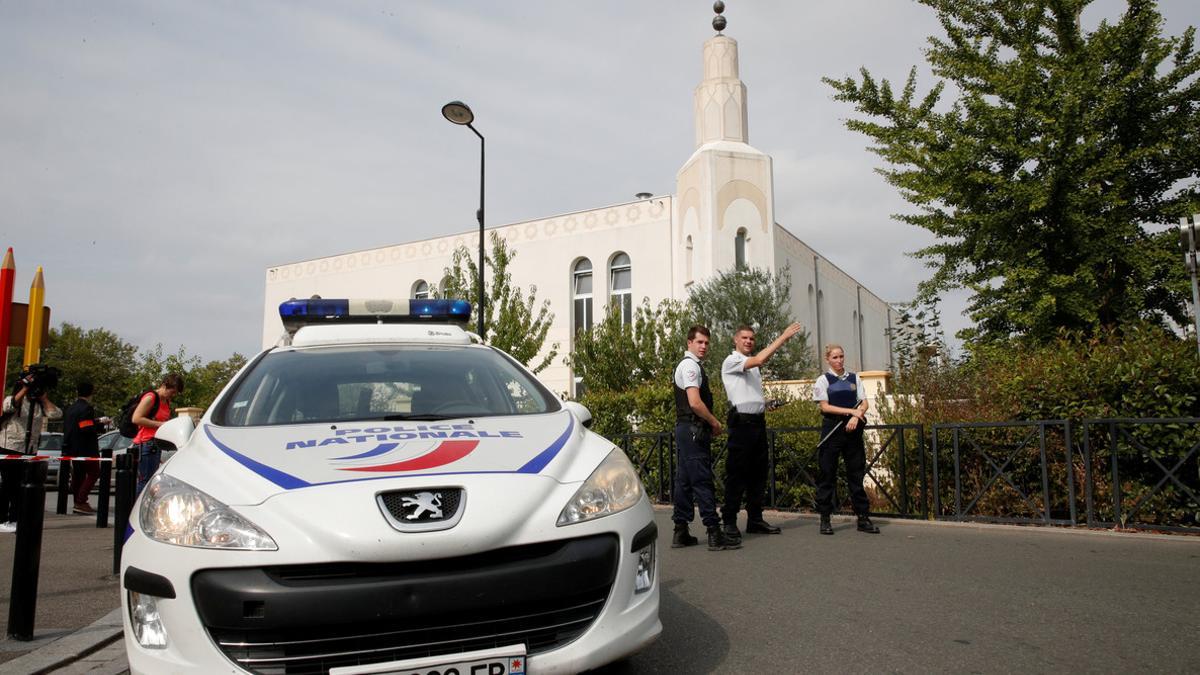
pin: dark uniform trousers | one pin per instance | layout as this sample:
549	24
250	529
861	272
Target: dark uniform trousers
849	446
693	475
745	466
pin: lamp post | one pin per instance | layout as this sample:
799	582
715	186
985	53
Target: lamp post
460	113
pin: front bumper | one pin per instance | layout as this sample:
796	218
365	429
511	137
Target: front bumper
570	601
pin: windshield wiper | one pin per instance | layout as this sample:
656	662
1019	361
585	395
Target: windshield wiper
419	417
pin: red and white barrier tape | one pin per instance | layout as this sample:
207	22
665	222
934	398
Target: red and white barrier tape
63	459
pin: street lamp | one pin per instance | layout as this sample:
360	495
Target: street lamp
460	113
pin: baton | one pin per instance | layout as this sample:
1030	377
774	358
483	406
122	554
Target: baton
831	432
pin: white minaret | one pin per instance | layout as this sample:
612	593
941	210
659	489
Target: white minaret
725	203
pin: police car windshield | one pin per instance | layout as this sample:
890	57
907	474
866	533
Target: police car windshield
353	383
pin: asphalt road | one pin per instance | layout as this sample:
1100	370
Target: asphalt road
928	597
920	597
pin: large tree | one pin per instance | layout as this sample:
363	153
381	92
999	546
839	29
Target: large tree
757	298
1048	179
96	355
514	322
617	356
119	370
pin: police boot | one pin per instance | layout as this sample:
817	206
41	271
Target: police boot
683	537
826	526
717	541
865	525
732	533
760	526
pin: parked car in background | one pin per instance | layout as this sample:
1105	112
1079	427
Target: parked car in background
50	444
115	445
114	442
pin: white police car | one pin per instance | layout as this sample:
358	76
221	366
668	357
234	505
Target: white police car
388	497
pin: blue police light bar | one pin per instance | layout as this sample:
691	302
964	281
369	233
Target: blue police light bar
297	313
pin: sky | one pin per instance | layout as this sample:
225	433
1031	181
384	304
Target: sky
157	157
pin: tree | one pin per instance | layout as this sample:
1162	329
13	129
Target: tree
514	323
96	355
203	383
154	365
1044	179
616	356
917	337
118	369
757	298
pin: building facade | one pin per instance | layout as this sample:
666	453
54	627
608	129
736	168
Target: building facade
722	215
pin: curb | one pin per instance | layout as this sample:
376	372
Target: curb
1130	535
71	647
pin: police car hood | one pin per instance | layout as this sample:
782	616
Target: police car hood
247	465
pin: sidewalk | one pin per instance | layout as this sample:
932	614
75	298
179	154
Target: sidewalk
78	599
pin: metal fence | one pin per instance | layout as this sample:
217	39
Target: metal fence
1006	466
1155	472
1132	473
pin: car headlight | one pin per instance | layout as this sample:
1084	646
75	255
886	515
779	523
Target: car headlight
174	512
613	487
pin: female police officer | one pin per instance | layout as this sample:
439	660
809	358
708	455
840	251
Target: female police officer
844	410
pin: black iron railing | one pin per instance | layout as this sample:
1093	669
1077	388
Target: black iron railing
1154	464
1006	463
1137	473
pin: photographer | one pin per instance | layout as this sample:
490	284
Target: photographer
21	429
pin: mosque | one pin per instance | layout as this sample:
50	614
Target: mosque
721	215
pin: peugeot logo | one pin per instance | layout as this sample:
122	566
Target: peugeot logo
422	510
422	506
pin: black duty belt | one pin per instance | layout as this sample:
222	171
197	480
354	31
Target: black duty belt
739	419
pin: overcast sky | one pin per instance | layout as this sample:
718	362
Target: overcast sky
157	157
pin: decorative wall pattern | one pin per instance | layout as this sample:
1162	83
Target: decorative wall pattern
612	217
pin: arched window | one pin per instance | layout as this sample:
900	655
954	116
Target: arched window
739	249
581	289
688	261
420	290
620	287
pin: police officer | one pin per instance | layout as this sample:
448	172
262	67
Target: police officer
747	458
844	411
695	426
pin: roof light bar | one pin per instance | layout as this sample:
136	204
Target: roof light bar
297	313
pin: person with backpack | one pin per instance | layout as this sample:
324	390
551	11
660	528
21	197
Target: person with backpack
19	435
152	410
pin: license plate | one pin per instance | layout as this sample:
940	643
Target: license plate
508	660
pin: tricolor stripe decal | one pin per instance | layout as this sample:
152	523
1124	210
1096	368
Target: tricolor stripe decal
445	453
543	458
283	480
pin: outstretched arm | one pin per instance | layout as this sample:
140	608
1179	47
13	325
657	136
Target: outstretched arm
764	355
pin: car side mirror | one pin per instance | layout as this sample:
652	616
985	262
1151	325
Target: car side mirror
580	412
176	431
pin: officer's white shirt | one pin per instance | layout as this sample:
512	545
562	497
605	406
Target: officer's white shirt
743	387
687	373
821	386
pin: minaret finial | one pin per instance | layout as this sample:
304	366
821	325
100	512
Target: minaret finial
718	20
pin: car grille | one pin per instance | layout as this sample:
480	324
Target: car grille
309	618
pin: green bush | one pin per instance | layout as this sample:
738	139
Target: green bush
1140	372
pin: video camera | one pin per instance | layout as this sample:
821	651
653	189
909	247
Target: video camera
40	378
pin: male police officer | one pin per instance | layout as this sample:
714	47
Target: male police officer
695	425
747	458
